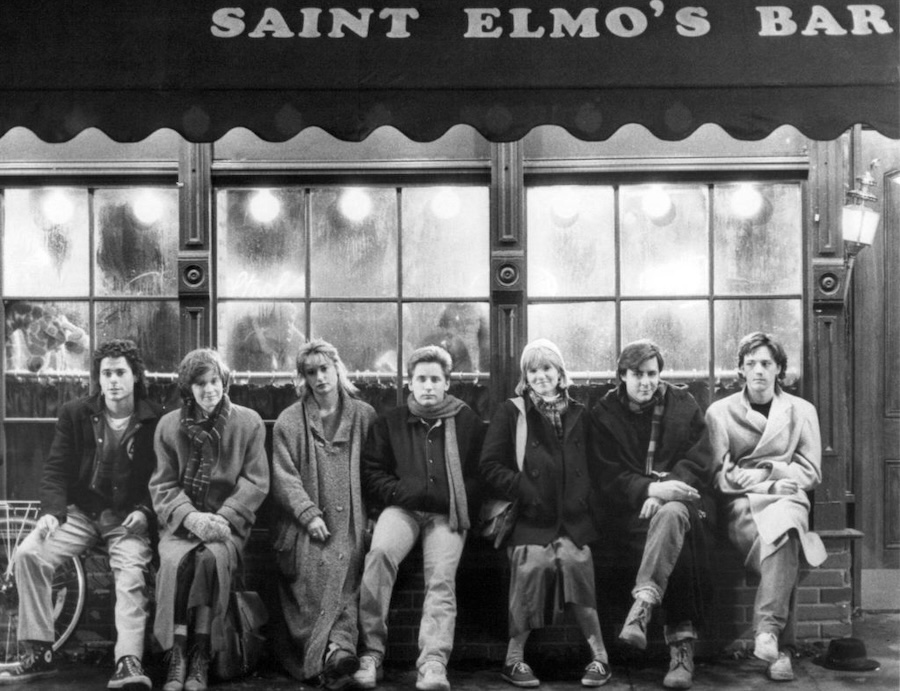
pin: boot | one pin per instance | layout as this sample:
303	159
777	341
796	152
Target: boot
681	666
177	671
198	670
634	633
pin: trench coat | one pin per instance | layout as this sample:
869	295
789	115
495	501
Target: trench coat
320	584
786	445
238	485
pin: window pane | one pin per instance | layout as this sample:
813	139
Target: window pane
679	328
354	242
461	328
446	235
758	237
45	337
136	241
571	241
261	336
45	242
365	334
585	333
153	326
736	318
261	241
664	236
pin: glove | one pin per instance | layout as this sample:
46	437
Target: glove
207	527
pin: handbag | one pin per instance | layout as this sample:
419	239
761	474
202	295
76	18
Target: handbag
244	642
497	517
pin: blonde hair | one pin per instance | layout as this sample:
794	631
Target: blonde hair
537	353
319	347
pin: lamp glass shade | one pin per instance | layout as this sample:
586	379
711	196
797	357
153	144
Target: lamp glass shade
859	224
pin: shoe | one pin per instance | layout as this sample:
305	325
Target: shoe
781	669
128	672
597	673
35	664
634	633
198	672
681	666
340	665
766	646
177	669
520	674
432	676
370	672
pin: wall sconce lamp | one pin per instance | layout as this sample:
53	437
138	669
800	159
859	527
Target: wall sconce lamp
859	220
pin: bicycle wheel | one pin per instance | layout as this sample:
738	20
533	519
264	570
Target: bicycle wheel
67	598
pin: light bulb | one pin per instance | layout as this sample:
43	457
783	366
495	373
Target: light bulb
265	206
355	204
58	207
147	208
446	204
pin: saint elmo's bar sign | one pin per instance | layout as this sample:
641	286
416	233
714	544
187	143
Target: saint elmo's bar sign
203	67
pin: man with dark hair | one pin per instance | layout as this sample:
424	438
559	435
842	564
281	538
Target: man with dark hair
94	487
767	447
656	474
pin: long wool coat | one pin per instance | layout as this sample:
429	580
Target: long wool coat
786	445
238	485
314	477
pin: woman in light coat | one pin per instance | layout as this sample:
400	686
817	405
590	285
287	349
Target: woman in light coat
320	517
212	475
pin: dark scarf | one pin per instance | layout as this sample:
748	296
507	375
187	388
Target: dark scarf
656	404
204	443
447	410
553	410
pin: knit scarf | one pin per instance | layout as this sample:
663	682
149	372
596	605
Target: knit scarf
657	404
552	409
446	410
204	444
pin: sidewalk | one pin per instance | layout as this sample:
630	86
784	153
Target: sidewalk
879	631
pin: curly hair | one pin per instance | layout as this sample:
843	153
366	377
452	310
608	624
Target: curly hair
117	348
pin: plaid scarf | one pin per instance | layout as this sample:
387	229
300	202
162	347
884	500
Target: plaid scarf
657	404
204	443
553	409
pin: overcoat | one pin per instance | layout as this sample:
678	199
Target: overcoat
238	485
554	490
785	445
321	580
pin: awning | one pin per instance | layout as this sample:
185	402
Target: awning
204	67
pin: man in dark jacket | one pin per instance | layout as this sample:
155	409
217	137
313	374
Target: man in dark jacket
420	468
656	471
94	487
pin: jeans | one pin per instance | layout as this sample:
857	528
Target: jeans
129	556
395	535
665	538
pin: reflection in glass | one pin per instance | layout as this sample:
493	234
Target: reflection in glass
679	328
461	328
261	336
354	255
758	239
45	242
664	237
585	333
446	236
365	334
136	241
46	337
258	258
571	241
153	326
736	318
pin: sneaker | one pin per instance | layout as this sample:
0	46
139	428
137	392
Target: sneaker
520	674
176	670
681	666
597	673
198	672
432	676
35	664
128	671
370	672
634	633
766	646
781	669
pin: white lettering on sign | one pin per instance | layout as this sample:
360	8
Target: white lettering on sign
777	20
481	22
692	21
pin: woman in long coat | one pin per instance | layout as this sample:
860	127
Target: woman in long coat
550	558
321	519
212	475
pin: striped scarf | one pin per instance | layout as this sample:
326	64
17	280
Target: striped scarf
657	404
553	410
204	443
